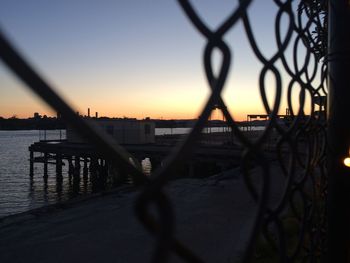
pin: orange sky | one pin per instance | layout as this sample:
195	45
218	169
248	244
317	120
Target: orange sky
98	58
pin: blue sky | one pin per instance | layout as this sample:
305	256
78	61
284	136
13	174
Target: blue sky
130	58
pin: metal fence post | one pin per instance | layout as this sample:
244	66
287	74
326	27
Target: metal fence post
338	131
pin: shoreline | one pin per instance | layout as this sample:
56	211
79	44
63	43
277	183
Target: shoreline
213	218
106	228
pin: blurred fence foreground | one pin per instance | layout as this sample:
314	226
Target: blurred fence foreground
288	226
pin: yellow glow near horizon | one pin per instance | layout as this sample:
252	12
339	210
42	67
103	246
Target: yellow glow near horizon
169	97
153	100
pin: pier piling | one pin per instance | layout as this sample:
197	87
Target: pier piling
59	165
31	164
85	168
77	167
70	166
45	164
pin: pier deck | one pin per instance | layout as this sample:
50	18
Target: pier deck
148	150
76	155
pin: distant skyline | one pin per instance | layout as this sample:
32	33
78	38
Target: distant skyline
130	58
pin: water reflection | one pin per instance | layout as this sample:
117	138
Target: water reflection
59	182
45	192
72	180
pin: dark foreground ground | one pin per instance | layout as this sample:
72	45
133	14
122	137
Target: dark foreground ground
213	218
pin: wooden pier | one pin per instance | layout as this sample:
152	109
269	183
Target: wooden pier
77	155
61	153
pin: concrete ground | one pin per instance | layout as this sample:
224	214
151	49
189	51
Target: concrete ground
213	218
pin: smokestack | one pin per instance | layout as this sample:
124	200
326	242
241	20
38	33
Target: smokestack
89	112
96	115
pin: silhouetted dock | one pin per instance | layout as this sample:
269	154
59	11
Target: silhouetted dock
84	155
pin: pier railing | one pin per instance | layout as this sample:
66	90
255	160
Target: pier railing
300	148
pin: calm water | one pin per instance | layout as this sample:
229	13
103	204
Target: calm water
19	193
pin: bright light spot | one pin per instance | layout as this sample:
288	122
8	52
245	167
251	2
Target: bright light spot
347	161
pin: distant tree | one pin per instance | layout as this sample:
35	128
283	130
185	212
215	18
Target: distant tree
13	117
37	115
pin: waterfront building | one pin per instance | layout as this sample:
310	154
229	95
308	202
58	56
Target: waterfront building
124	131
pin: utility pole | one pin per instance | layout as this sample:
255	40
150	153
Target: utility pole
338	131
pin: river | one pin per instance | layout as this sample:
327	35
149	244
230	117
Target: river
19	193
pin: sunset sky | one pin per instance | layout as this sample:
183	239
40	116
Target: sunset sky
131	58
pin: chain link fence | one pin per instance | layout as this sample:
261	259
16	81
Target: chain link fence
287	228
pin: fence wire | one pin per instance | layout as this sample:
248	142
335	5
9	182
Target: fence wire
291	228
